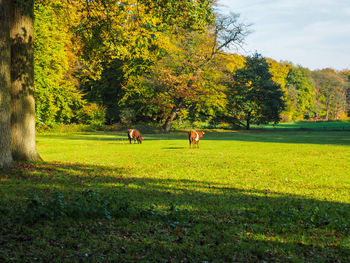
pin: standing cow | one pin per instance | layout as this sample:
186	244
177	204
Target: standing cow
134	134
194	137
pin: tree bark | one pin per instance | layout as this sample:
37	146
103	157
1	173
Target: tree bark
327	107
248	121
170	119
22	78
5	85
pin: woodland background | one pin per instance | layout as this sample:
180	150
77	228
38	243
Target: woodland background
150	62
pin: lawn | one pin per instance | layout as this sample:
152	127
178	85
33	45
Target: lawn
309	125
247	196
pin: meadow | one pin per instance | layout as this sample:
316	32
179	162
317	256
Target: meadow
243	196
309	125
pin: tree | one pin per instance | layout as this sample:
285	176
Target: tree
300	93
346	76
279	71
175	80
178	77
108	90
22	82
193	15
109	30
57	98
223	67
5	85
253	97
137	35
330	93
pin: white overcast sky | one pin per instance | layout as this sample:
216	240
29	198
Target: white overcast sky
311	33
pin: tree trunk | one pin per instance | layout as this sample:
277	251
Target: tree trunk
170	119
22	78
173	114
5	85
327	111
248	121
327	106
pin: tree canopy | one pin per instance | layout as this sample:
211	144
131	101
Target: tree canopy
155	62
253	96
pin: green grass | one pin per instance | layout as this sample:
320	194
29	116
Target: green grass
309	125
272	196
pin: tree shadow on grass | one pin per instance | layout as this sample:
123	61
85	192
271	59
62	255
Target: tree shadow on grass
176	220
86	136
174	148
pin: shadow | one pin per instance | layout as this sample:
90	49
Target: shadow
180	218
86	136
174	148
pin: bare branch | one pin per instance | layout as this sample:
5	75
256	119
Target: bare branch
227	32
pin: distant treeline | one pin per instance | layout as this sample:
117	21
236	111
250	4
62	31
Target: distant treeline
104	62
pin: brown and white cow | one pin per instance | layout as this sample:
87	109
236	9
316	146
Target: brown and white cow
194	137
134	134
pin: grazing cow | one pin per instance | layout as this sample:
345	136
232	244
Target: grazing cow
194	137
134	134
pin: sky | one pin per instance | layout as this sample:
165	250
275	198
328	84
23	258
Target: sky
311	33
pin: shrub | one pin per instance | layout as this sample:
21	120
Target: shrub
93	115
343	116
127	116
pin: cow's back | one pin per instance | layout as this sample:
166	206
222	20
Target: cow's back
195	135
137	134
191	134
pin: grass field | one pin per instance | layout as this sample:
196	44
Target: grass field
309	125
258	196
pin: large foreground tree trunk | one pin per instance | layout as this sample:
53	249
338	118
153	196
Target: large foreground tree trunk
5	85
22	77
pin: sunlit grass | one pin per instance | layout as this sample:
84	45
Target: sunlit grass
242	160
242	196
